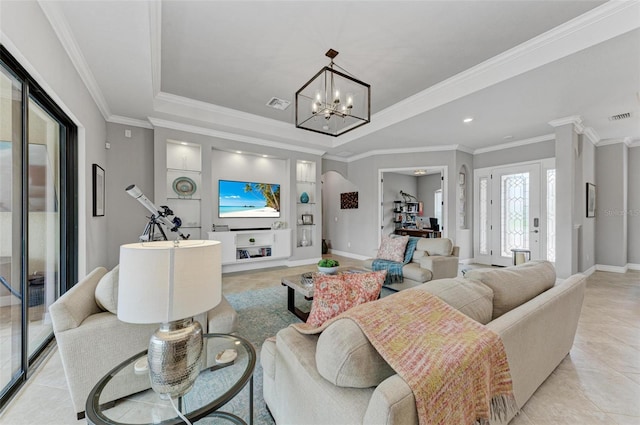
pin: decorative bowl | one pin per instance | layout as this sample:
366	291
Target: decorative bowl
327	270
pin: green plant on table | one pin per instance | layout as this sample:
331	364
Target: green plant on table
328	262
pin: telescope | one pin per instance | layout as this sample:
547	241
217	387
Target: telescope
158	216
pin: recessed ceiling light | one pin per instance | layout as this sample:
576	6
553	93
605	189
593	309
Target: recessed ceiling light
467	120
184	143
265	156
238	151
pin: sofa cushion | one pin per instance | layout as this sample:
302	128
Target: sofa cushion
333	295
413	271
513	286
433	246
346	358
392	248
468	296
107	291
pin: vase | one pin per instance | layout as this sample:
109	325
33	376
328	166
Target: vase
304	198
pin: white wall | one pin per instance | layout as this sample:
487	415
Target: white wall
427	186
337	222
27	35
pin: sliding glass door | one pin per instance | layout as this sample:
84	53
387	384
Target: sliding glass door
38	216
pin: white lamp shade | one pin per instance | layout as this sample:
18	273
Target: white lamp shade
164	281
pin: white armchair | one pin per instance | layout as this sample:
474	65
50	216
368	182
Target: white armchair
92	341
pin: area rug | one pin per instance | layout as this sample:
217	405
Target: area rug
261	314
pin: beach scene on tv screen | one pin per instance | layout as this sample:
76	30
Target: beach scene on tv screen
248	199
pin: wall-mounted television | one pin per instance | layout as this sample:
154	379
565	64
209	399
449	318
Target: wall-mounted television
238	199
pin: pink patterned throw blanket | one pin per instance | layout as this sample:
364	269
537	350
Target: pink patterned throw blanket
456	367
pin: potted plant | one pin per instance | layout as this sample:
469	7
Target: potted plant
328	266
252	241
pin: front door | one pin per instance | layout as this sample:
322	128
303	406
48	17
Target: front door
508	213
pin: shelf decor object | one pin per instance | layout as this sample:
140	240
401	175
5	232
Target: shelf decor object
169	282
304	198
184	186
333	102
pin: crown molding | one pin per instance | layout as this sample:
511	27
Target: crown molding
625	141
173	125
376	152
60	26
155	36
576	120
117	119
602	23
517	143
591	135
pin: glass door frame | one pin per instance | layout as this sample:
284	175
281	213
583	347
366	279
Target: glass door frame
68	160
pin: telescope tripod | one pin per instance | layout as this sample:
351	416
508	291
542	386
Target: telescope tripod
149	234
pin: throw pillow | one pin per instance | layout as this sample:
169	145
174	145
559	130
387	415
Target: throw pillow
107	291
392	248
333	295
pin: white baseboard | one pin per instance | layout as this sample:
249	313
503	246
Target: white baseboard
348	254
632	266
304	262
612	269
589	271
467	261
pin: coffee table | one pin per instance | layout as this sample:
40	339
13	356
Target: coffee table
294	283
216	385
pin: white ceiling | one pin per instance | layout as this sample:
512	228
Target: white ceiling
211	66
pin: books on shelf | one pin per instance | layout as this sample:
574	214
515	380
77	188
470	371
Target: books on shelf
253	253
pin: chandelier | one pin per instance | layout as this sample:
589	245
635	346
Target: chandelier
333	102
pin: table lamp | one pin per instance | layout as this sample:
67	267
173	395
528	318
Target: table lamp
169	282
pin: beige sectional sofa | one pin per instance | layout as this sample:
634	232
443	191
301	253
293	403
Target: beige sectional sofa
338	378
92	341
434	258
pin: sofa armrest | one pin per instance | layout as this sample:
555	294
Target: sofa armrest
538	334
392	402
78	303
441	266
455	252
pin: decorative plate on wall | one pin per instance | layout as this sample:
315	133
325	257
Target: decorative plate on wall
184	186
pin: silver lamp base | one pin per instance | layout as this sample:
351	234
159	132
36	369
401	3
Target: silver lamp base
175	355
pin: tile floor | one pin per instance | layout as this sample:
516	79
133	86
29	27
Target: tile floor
598	383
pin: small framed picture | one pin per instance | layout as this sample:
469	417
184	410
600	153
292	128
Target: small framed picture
98	191
591	200
307	219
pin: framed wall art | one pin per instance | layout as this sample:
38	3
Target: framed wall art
349	200
591	200
98	191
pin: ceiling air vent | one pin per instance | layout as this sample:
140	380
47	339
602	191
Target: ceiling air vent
277	103
620	116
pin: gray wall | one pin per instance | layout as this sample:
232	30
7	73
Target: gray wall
634	207
129	161
364	175
30	38
530	152
427	185
587	253
337	166
337	222
611	249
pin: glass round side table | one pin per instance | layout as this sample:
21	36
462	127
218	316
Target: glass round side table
218	384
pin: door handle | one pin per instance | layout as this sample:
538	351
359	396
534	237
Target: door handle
534	231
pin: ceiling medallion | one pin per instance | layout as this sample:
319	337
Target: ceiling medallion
333	102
